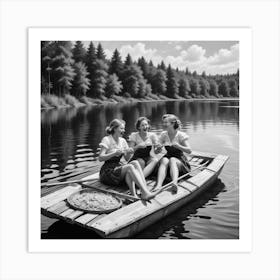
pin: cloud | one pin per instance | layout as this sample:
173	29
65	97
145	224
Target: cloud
193	53
194	57
224	56
178	47
223	61
136	51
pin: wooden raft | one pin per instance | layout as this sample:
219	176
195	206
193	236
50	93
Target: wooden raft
133	216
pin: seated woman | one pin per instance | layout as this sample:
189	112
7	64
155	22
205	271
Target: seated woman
113	172
176	144
142	143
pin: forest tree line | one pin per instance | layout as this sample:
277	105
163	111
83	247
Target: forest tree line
69	69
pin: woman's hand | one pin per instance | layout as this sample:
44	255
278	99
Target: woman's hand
177	146
118	152
141	145
129	151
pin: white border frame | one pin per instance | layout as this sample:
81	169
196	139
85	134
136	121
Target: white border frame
243	35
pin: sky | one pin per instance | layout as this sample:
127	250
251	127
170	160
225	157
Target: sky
213	57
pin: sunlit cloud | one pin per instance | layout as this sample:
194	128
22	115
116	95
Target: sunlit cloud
178	47
194	57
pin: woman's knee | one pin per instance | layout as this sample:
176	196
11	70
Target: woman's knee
139	163
172	161
164	161
129	168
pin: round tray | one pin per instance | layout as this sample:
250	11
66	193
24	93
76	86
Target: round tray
71	201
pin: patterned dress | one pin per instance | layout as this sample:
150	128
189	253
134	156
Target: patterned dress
110	172
171	151
143	153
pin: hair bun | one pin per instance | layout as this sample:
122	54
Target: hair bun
108	130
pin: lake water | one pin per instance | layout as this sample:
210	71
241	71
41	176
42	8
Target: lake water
70	138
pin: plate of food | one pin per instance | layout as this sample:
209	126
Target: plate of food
92	201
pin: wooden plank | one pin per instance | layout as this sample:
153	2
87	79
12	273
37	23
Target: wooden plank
217	163
58	208
86	218
188	186
67	212
167	197
203	154
74	215
57	196
89	224
136	211
201	178
92	176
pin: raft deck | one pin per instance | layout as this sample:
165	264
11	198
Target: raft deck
134	216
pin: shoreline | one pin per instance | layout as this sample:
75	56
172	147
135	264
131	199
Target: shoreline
134	100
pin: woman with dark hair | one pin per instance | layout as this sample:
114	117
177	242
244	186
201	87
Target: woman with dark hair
113	172
176	144
142	143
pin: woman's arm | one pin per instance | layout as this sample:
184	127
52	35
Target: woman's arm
185	147
133	145
103	156
128	153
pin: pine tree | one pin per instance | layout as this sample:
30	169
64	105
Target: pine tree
159	82
233	91
204	87
151	63
144	66
79	52
100	54
99	79
162	66
224	89
116	65
113	86
171	84
81	83
187	71
63	70
132	77
194	87
203	75
90	63
90	58
128	60
213	91
184	87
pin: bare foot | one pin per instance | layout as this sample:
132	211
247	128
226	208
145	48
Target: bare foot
147	196
156	187
173	188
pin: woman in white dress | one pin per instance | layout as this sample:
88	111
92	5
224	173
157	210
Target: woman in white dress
142	143
113	172
176	144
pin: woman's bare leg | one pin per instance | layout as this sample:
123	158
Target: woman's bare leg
136	177
130	183
139	168
174	169
162	172
150	167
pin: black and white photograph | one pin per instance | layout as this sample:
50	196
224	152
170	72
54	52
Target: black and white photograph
140	139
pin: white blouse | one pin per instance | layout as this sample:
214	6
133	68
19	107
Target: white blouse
179	138
109	143
137	139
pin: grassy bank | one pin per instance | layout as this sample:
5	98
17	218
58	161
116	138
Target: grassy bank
53	101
